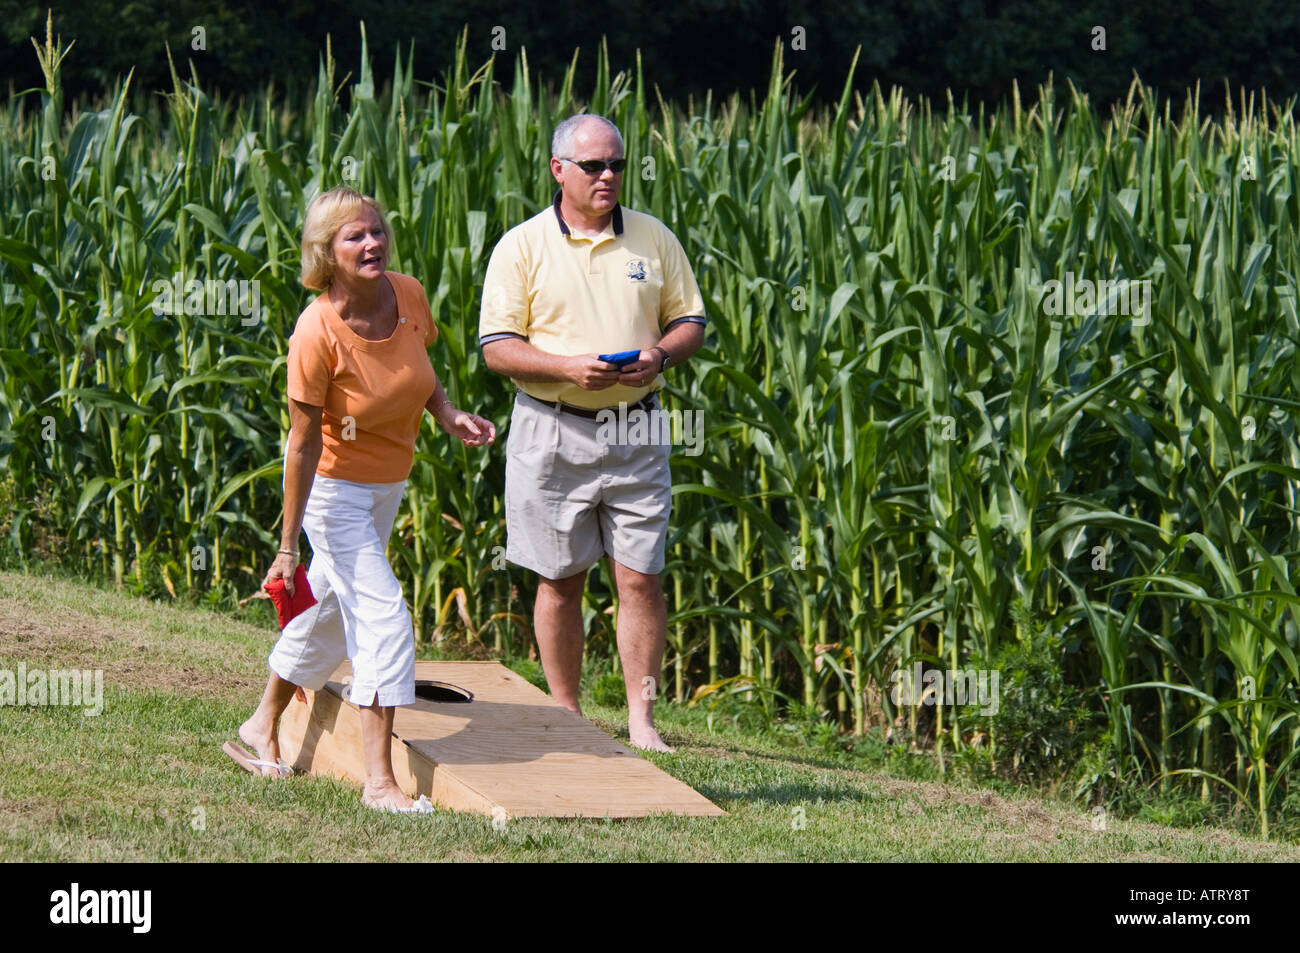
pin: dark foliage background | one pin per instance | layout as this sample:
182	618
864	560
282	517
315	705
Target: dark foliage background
974	47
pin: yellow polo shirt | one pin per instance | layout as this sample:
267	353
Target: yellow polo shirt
568	294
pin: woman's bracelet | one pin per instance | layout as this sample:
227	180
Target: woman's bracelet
289	552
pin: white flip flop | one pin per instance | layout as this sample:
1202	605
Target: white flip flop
422	805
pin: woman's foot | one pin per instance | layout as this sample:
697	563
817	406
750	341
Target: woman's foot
385	796
261	737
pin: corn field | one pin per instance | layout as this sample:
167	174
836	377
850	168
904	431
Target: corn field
907	458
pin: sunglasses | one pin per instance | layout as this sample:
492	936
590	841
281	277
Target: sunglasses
597	166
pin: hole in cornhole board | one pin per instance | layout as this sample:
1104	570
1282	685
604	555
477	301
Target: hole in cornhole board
432	691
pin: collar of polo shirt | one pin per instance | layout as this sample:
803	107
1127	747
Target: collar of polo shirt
564	228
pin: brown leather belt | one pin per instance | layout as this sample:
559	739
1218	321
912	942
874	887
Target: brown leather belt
645	403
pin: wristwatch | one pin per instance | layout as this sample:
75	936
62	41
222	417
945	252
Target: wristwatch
667	358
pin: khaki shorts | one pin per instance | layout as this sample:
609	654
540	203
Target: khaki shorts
571	497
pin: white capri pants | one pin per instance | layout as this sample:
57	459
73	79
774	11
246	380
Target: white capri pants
359	613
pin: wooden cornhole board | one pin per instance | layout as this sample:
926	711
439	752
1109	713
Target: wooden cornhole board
511	748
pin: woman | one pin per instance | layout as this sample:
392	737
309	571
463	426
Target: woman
359	381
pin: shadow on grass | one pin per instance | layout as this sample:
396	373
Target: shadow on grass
798	793
806	758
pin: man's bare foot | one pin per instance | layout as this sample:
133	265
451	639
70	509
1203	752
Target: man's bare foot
262	739
647	739
385	796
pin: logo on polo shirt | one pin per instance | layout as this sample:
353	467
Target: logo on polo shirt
636	270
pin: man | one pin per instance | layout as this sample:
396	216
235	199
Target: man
582	278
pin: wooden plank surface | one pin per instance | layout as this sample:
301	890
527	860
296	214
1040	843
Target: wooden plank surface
512	748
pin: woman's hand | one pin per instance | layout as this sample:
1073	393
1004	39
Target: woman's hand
283	568
473	430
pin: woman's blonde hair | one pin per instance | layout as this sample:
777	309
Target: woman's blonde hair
327	213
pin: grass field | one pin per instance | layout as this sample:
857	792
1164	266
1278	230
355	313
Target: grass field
146	780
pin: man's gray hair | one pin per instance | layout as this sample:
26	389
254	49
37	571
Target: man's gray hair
562	141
